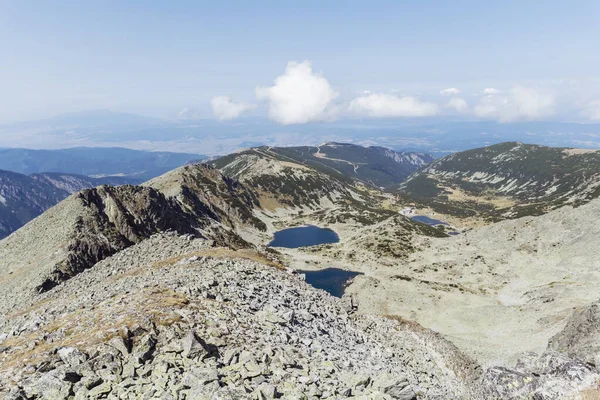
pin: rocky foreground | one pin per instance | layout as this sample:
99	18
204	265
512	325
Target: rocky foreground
175	318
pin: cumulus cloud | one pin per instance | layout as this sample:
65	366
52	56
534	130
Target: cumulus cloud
520	103
592	110
188	113
225	108
491	90
449	91
458	104
388	105
299	95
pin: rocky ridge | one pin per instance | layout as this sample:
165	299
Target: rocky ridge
374	166
506	180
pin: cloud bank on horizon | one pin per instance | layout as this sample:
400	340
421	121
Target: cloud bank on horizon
300	95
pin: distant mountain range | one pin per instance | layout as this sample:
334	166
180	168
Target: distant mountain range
438	136
95	161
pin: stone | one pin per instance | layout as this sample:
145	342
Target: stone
144	347
120	344
100	390
194	347
72	356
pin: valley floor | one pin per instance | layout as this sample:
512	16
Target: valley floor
497	291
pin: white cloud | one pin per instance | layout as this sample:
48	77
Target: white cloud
520	103
458	104
388	105
592	110
299	95
491	90
225	108
449	91
188	113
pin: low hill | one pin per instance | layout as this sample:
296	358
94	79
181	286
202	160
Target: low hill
506	180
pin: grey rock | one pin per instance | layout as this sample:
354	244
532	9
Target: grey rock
194	347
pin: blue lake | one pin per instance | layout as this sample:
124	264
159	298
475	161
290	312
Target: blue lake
332	280
429	221
302	236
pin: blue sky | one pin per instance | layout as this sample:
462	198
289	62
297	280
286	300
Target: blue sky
539	60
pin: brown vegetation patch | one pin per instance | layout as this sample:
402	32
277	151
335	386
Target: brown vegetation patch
405	324
86	328
217	252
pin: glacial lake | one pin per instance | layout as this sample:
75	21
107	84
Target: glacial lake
429	221
332	280
433	222
301	236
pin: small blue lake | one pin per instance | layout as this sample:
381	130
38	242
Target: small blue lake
301	236
429	221
332	280
433	222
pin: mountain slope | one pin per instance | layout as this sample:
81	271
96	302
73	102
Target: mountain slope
497	291
174	318
375	166
23	198
202	190
507	180
96	223
151	292
282	182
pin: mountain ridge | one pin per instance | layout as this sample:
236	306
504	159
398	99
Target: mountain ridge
375	166
506	180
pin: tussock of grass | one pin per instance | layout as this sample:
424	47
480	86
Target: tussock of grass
405	323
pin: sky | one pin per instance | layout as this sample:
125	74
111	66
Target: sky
310	61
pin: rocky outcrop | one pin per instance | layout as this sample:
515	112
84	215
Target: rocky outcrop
96	223
580	339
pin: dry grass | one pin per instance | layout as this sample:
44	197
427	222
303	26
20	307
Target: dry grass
498	202
217	252
590	394
86	328
405	324
269	202
27	310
